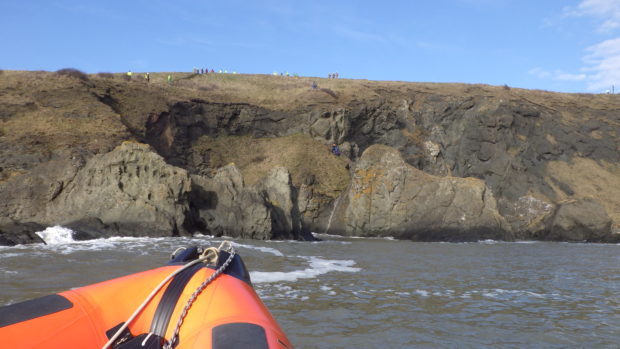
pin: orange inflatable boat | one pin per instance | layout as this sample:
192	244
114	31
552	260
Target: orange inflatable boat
200	299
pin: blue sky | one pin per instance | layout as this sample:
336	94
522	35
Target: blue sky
570	46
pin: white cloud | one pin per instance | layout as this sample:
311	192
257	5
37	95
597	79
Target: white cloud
562	76
606	10
539	73
603	63
358	35
557	75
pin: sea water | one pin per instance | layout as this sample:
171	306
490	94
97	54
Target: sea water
375	293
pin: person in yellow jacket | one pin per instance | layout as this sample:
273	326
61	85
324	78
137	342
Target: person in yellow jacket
129	74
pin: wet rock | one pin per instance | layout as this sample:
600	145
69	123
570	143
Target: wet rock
226	206
14	233
529	216
580	220
277	190
93	228
391	198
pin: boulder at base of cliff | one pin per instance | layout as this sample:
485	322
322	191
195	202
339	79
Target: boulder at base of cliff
580	220
388	197
129	191
277	190
12	233
225	206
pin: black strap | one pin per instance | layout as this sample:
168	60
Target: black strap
169	300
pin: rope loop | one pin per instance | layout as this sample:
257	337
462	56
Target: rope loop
174	254
211	255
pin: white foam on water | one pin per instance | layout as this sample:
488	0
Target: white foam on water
323	235
271	250
9	255
332	242
60	239
498	293
508	295
318	266
390	238
199	235
422	293
56	235
488	242
280	291
330	291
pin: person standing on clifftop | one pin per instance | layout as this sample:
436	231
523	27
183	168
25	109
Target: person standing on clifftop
147	77
129	74
169	78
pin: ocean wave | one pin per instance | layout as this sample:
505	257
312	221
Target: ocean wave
56	235
327	236
279	291
495	293
270	250
318	266
330	291
390	238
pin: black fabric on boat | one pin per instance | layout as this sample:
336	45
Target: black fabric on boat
239	335
170	298
187	255
124	337
32	309
236	268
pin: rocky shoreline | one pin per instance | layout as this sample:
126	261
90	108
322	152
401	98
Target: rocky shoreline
215	155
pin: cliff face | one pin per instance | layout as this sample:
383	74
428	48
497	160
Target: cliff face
390	198
515	163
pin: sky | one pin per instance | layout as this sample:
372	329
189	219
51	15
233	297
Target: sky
556	45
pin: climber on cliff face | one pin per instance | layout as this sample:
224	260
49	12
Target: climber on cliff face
335	149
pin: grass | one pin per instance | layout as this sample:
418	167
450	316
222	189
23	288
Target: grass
299	153
74	73
106	75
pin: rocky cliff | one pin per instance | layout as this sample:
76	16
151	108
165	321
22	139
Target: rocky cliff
249	156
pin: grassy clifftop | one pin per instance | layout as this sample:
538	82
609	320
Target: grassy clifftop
282	92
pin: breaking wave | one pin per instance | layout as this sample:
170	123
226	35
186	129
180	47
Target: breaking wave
56	235
317	266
